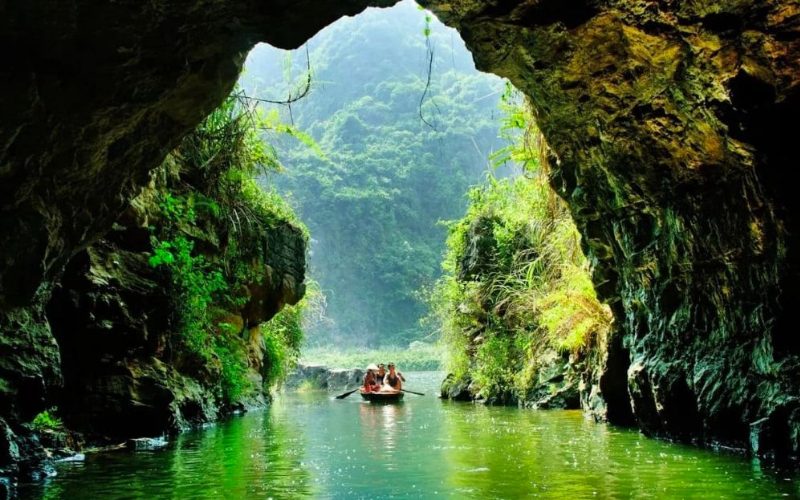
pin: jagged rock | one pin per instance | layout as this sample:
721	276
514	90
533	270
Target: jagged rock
77	457
341	378
164	68
21	454
30	368
124	373
557	383
478	257
456	389
667	122
565	397
314	375
147	444
7	490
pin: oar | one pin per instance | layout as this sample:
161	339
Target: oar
412	392
342	396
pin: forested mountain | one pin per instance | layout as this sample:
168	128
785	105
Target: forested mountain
389	169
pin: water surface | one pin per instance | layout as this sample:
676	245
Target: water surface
308	445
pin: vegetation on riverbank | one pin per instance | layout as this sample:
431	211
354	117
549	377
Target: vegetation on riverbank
212	241
517	286
418	356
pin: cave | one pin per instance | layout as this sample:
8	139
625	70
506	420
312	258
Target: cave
668	125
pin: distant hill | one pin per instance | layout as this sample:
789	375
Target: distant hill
374	201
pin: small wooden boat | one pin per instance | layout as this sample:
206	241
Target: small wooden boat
382	396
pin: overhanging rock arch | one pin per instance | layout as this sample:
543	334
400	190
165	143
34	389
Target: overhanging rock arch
664	118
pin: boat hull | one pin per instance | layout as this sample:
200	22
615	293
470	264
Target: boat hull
382	397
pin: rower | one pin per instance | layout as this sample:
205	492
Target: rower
393	379
370	382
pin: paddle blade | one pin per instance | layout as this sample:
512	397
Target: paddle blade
342	396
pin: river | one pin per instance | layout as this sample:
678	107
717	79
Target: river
309	445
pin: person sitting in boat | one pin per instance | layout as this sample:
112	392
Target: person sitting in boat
370	382
381	373
393	379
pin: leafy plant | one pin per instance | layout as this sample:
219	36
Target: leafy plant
47	420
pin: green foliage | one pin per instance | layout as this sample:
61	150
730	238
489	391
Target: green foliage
516	282
283	338
217	196
47	420
374	199
196	286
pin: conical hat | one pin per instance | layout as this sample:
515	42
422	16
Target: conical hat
372	367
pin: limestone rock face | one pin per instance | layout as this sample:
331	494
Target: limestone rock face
667	120
124	374
323	377
94	96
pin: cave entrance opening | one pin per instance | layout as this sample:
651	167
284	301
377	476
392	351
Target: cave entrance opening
395	133
403	126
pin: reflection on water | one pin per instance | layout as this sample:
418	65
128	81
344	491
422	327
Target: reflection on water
308	445
258	456
379	429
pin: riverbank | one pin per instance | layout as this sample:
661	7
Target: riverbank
418	356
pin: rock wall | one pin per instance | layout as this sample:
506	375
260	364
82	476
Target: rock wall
126	372
309	376
668	123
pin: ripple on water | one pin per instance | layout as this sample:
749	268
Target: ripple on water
312	446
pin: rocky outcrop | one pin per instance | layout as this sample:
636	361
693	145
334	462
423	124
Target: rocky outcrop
94	97
322	377
667	122
125	372
557	384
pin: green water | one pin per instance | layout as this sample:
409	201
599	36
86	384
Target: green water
310	445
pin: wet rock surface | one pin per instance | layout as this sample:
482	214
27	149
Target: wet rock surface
456	389
93	98
124	372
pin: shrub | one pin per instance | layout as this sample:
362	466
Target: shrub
47	420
